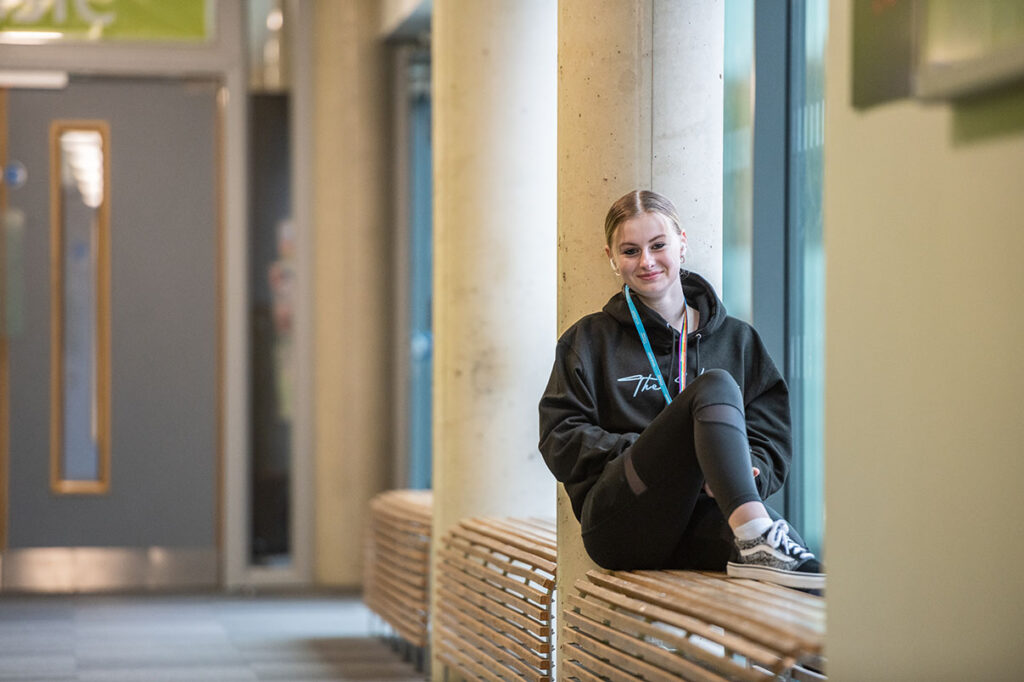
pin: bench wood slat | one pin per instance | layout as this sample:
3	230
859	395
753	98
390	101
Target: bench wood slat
409	612
779	592
490	652
504	563
410	626
520	635
633	625
673	664
498	639
495	583
534	551
525	531
497	609
397	558
572	670
498	595
521	554
773	619
773	637
611	662
457	659
801	621
417	503
802	605
384	579
387	513
401	610
413	583
413	551
519	589
752	650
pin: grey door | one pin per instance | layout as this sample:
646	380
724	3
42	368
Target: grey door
156	523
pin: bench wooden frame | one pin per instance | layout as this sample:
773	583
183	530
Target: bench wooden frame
496	581
671	625
397	562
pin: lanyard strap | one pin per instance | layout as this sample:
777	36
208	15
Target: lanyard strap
650	352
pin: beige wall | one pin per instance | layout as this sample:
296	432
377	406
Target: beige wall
924	240
352	285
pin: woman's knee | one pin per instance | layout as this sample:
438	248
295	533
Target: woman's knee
716	386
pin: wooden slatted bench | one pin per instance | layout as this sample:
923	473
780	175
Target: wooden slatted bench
671	625
496	581
397	562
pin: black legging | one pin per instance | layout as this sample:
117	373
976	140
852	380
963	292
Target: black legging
647	509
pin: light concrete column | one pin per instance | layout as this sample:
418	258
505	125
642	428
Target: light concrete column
352	286
639	106
494	256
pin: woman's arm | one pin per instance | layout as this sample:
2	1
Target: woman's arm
572	442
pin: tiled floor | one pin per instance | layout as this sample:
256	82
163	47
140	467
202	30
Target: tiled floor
195	638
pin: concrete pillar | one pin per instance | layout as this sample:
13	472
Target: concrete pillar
352	196
639	106
494	256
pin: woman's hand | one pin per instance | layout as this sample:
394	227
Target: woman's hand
754	470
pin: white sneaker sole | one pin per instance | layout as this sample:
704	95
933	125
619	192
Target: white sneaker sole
800	581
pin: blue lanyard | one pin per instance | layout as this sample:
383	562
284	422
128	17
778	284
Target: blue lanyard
650	353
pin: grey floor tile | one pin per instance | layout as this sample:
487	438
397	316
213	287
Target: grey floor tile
169	674
198	638
114	655
36	644
17	667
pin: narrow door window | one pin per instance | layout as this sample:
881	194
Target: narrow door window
80	307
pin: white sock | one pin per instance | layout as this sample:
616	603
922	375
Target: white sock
753	528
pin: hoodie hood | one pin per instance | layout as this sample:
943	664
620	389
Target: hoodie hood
699	295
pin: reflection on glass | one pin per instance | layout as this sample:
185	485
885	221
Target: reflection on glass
272	277
737	156
80	448
809	28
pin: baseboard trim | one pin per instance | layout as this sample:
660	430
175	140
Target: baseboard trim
105	569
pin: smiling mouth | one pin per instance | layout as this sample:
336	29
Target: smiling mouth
649	275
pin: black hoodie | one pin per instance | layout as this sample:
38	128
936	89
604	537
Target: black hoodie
602	394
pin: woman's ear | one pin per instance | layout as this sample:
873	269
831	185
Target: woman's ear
611	260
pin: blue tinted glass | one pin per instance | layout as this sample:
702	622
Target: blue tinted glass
808	30
737	157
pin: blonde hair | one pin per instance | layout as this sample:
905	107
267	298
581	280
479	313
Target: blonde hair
633	204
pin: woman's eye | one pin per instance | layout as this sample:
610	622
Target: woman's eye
630	252
657	246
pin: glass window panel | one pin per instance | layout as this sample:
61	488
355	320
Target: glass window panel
809	21
80	423
737	157
420	272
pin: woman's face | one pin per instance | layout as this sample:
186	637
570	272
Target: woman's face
647	251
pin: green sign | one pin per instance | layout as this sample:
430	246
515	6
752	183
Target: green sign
106	20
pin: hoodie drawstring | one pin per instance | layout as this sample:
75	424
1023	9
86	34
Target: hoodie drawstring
700	369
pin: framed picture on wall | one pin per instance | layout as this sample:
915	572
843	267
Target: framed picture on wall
934	49
966	47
